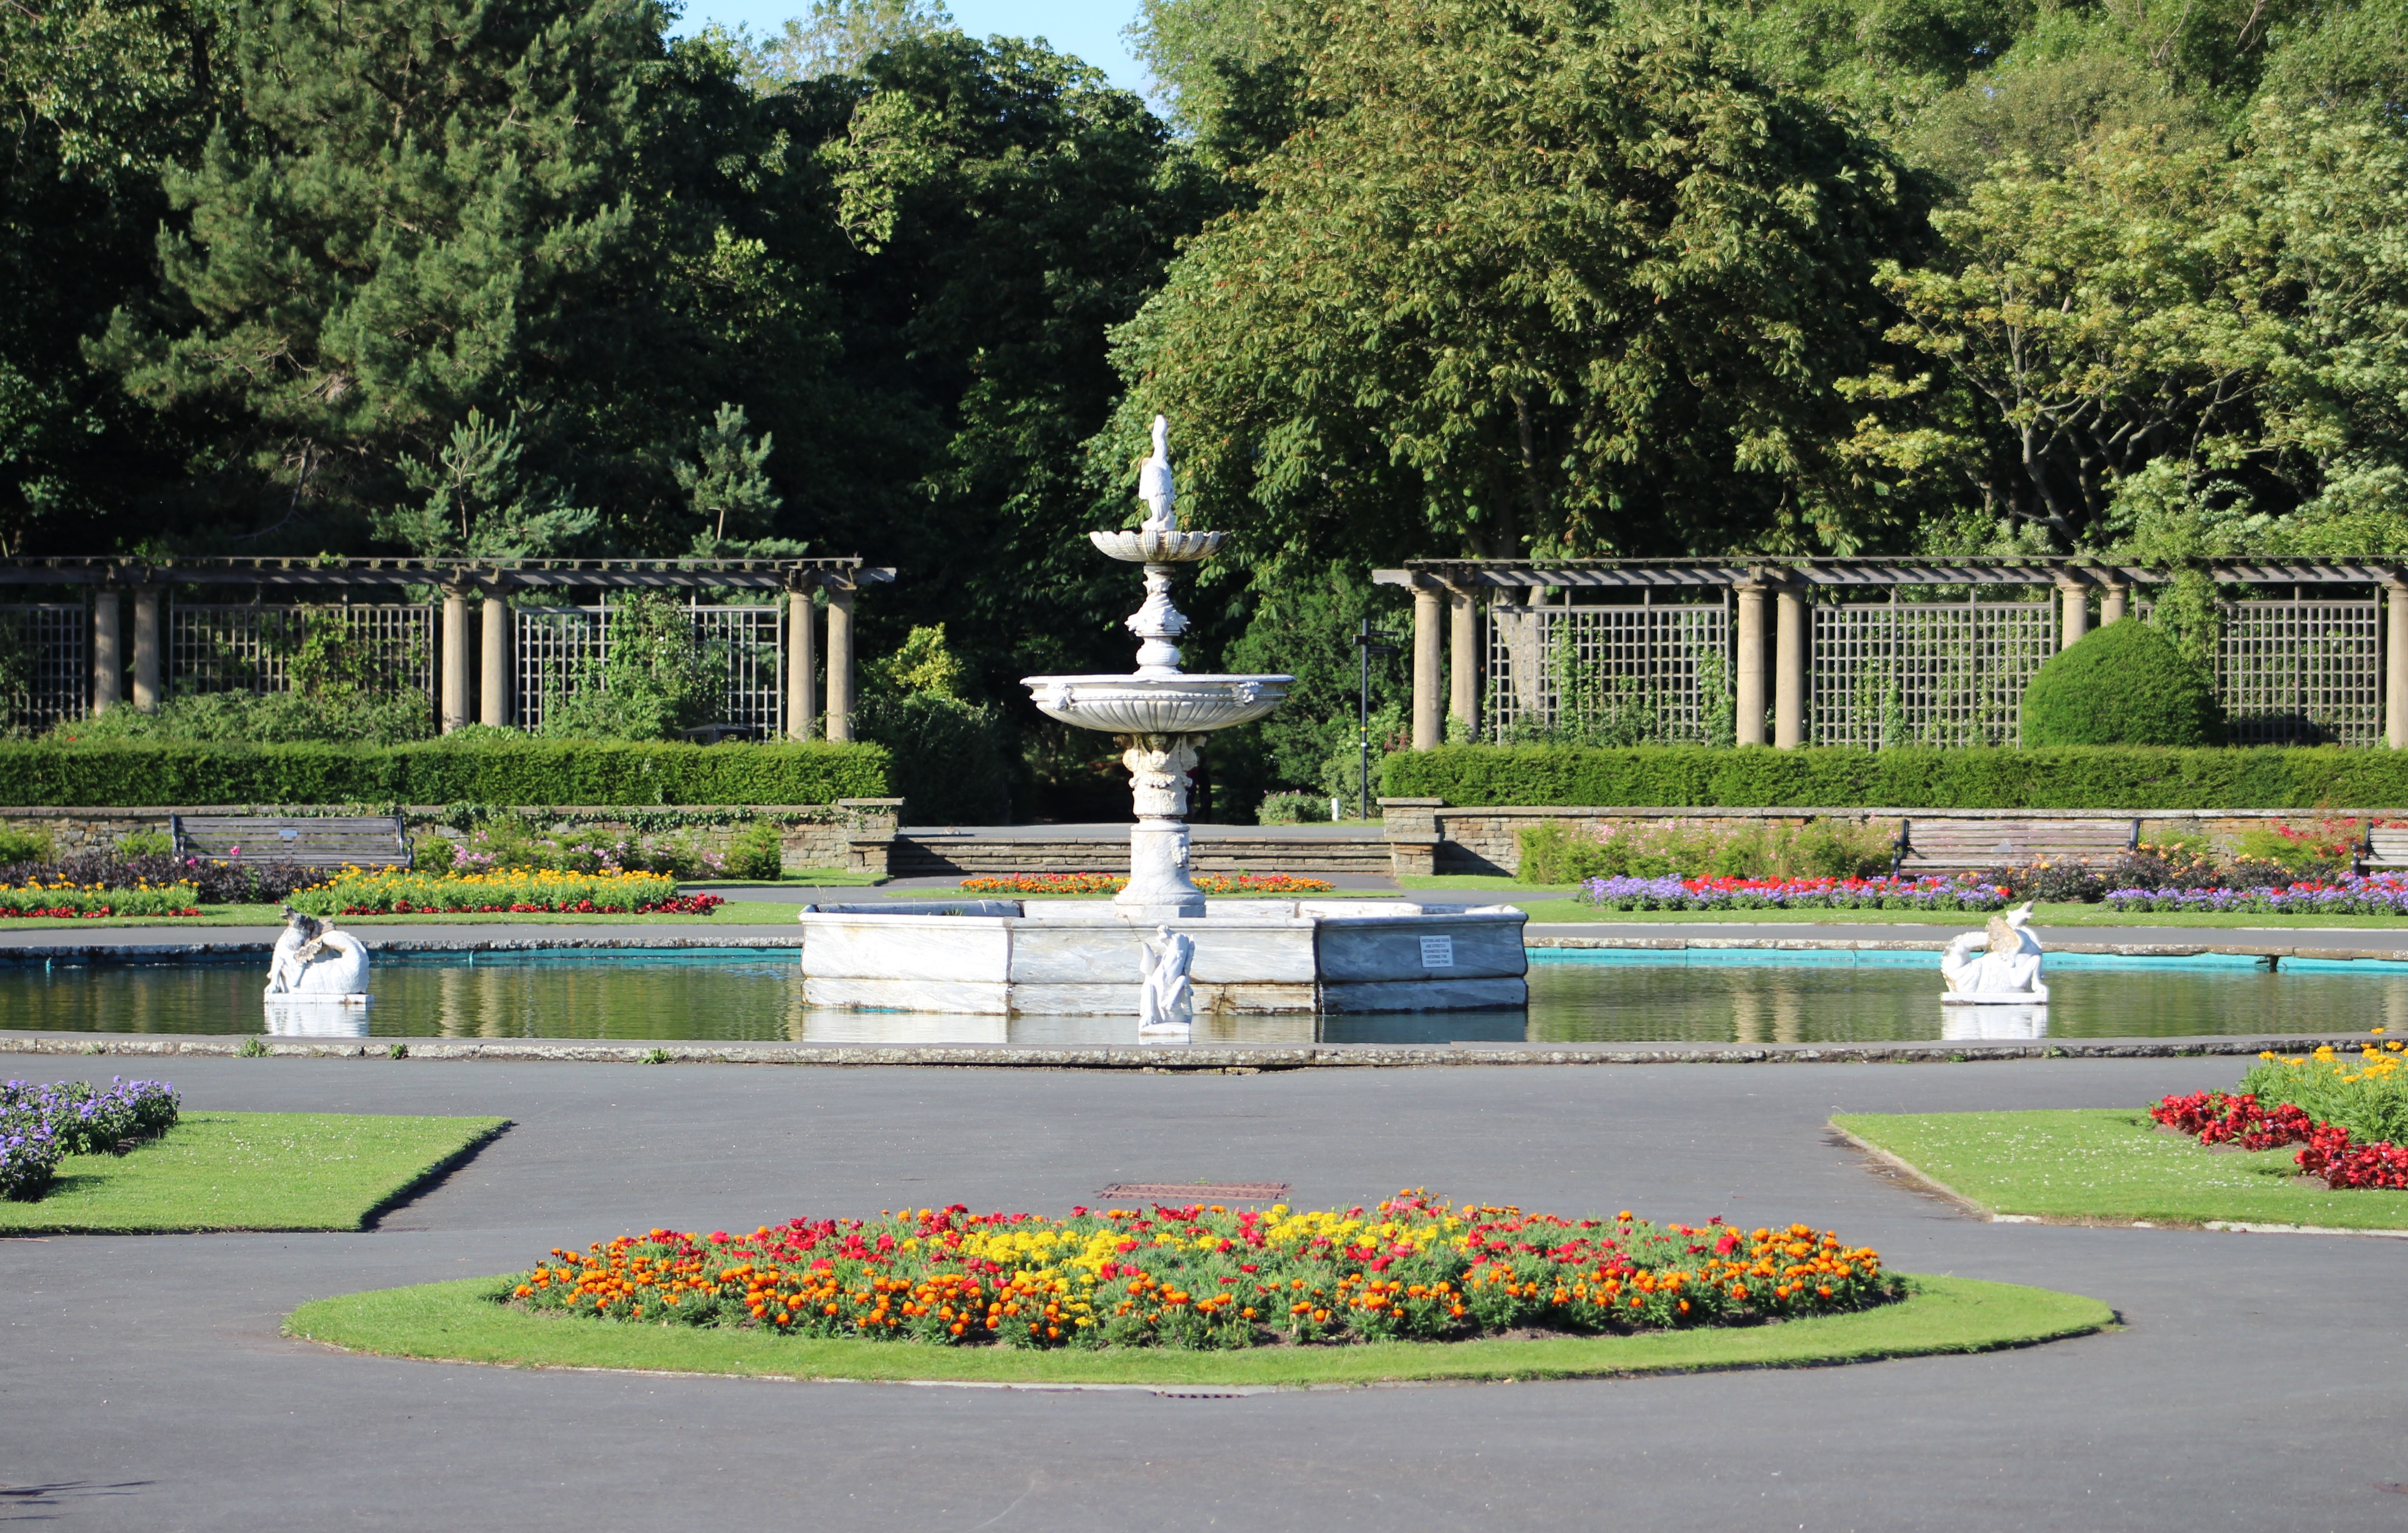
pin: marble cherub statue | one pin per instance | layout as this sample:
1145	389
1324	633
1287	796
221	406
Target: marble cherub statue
1166	1001
2007	968
313	960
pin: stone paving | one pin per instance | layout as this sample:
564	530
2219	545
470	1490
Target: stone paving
2257	1384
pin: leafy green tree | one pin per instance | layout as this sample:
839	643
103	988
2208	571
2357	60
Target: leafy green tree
1005	207
655	679
2184	353
837	37
95	97
1544	280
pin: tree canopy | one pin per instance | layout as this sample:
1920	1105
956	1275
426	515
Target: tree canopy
1413	278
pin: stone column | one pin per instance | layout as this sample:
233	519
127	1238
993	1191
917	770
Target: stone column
2395	667
2111	603
2077	611
1748	688
455	708
1428	726
1789	669
839	663
1463	660
108	665
496	639
146	648
802	661
1159	886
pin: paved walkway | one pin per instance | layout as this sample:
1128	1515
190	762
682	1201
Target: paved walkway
145	1386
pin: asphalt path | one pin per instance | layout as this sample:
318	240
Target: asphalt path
143	1385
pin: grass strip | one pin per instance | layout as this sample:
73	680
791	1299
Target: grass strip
2113	1165
459	1322
252	1171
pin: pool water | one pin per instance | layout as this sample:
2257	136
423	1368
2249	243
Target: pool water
1585	995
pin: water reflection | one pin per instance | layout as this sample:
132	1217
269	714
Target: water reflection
315	1016
1959	1023
1576	996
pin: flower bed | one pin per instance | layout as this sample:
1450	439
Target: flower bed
39	1125
1207	1277
2351	894
1964	891
1112	883
92	901
523	891
2349	1118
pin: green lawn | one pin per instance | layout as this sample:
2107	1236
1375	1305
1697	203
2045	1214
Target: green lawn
460	1322
2113	1166
251	1170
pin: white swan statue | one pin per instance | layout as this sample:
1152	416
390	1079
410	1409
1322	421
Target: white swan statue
2006	974
315	962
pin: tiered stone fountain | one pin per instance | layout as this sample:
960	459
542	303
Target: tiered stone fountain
1159	715
1089	957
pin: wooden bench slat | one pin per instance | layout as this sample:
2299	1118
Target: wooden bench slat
1990	843
375	840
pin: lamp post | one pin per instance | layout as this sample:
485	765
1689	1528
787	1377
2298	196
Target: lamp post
1370	641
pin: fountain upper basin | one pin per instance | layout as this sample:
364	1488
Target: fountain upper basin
1156	546
1157	705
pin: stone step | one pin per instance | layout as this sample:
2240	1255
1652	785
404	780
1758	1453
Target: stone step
934	856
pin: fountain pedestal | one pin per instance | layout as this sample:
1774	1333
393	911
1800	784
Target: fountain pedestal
1159	887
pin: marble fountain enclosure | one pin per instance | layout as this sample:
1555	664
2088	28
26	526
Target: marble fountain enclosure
1083	957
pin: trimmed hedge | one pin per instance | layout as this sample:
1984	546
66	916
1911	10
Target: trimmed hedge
37	773
2123	684
2059	778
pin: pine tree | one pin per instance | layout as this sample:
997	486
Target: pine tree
426	196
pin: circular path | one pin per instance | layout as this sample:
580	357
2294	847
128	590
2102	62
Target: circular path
143	1385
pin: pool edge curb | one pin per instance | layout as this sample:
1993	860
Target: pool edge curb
1157	1057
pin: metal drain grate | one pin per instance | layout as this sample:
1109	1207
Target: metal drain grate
1204	1192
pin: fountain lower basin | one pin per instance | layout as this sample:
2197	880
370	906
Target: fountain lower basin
1157	705
1085	958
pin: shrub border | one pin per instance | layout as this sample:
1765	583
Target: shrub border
2132	779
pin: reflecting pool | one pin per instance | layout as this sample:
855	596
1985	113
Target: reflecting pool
1576	996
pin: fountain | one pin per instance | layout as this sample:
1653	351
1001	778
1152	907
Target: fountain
1159	715
1160	947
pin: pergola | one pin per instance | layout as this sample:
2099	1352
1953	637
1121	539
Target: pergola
1456	585
466	585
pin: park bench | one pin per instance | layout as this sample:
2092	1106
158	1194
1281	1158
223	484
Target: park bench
1955	845
363	840
2386	850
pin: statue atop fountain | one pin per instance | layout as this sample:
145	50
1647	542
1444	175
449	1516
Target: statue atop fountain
2006	972
1159	714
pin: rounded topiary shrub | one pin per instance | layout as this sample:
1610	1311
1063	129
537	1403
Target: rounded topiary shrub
2123	684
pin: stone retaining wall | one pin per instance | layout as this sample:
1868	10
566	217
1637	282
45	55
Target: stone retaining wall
1425	835
852	833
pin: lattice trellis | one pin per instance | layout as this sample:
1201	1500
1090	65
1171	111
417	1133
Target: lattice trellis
1662	672
53	677
558	647
251	647
1936	673
2300	672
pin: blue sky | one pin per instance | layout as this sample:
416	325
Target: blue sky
1089	28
